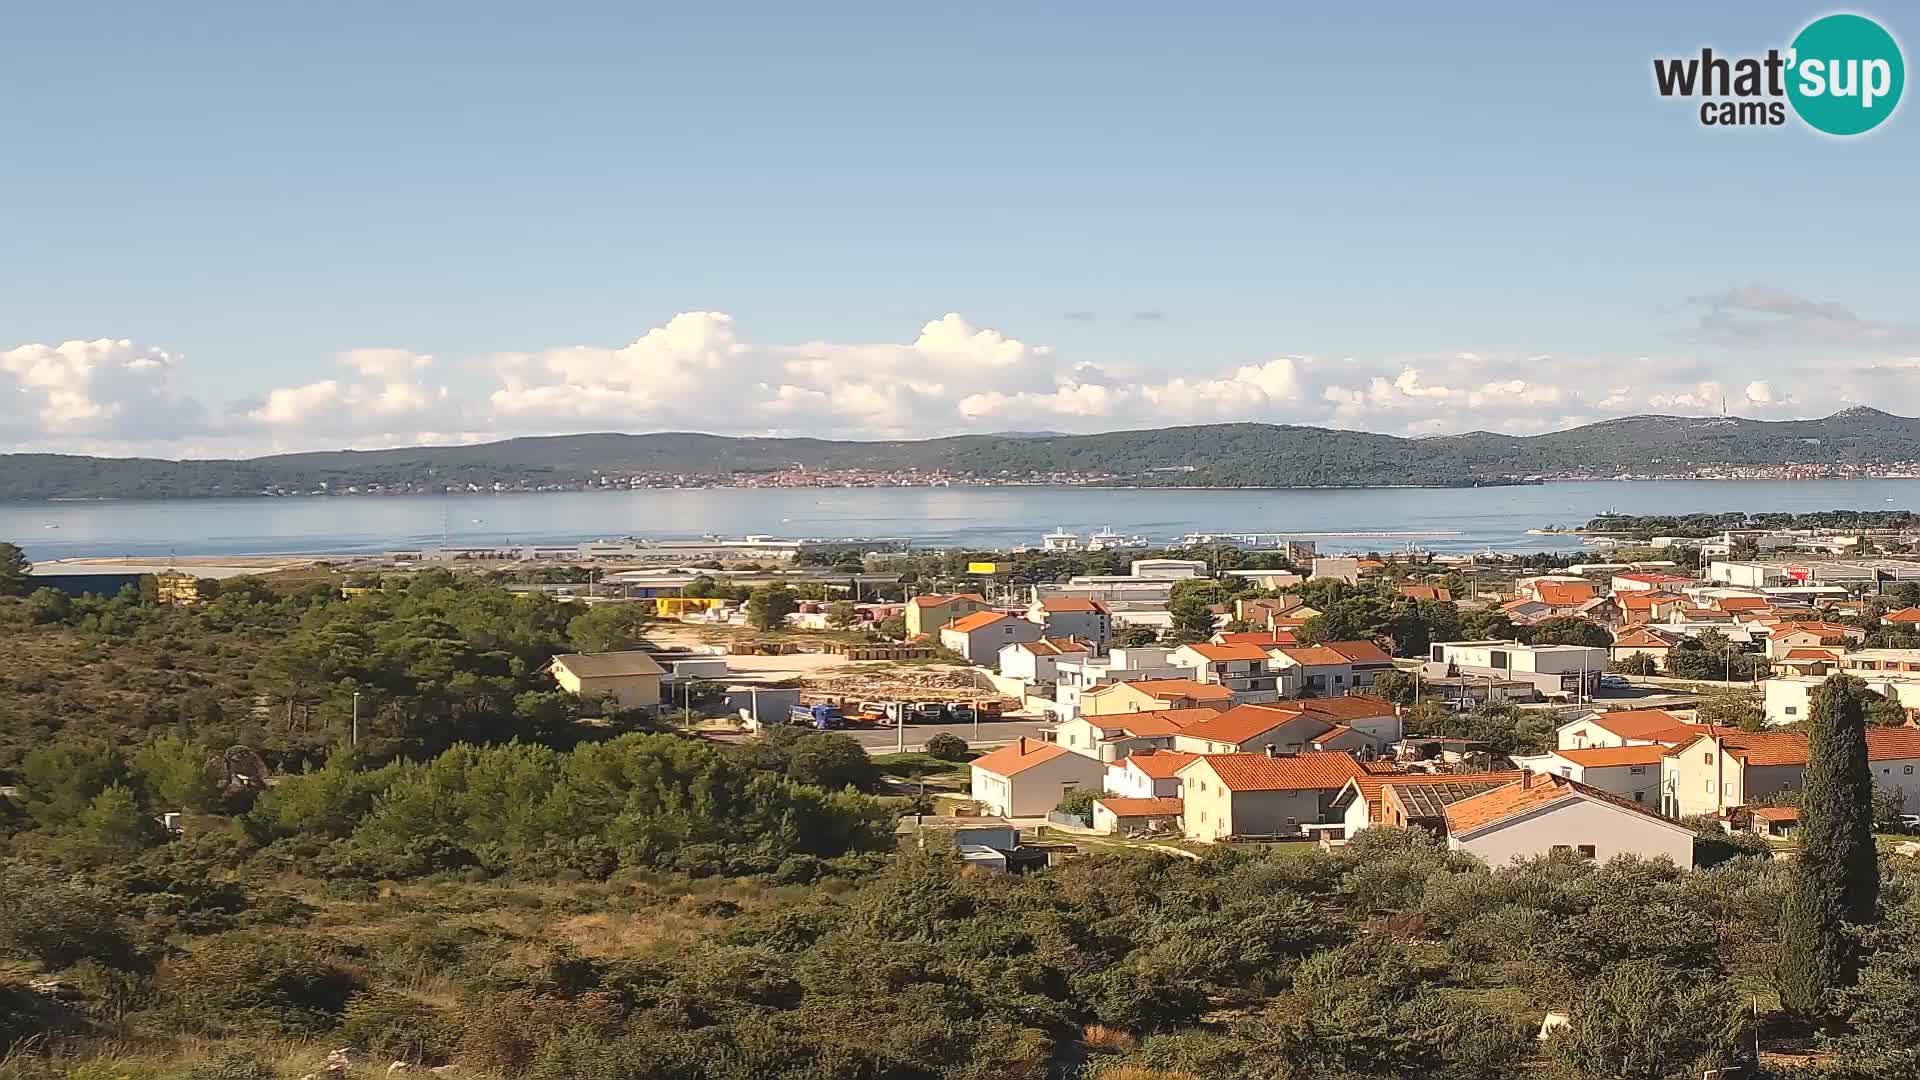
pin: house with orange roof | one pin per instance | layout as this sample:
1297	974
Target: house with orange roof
1245	795
1074	617
1624	727
1147	774
980	636
1038	661
1027	778
1266	639
1649	581
1866	662
1362	803
1646	607
1739	604
1908	617
1632	641
1331	668
1426	592
1809	661
1541	814
1362	725
1631	772
1118	814
1723	768
1243	669
1153	695
1112	737
1787	636
925	615
1559	594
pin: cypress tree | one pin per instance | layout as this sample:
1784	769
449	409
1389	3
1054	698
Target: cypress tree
1836	878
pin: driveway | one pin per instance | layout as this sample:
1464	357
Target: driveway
985	735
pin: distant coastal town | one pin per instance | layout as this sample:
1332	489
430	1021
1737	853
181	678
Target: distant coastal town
927	478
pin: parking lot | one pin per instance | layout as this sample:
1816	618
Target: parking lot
986	734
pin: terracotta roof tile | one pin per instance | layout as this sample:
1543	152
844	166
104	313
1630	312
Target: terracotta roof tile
1267	638
1740	603
1564	593
1018	757
1903	615
1360	652
1370	787
1531	792
1600	757
1313	655
1634	723
1640	637
1168	689
1158	764
1327	771
1063	604
1060	646
1223	653
1775	813
979	620
1161	807
1147	725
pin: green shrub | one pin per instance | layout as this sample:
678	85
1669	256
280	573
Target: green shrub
401	1027
246	981
947	747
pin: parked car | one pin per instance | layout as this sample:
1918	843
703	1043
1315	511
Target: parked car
1615	682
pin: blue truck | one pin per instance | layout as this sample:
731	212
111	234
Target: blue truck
823	716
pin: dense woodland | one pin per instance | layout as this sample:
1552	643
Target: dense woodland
498	880
1215	455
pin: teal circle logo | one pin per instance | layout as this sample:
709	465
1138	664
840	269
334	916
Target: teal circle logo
1845	74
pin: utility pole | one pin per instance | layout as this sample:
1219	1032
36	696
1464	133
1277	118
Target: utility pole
355	739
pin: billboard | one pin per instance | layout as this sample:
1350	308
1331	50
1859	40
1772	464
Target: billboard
982	567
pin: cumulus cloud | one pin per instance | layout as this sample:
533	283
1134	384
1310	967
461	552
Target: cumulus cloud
390	397
699	370
88	389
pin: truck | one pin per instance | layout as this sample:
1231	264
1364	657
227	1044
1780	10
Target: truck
822	716
929	712
961	713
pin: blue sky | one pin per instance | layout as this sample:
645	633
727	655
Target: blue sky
213	215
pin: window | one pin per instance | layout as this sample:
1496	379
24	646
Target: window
1558	848
1707	758
1566	771
1793	710
1637	770
1586	851
1709	787
1639	796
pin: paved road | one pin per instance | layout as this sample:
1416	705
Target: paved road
991	733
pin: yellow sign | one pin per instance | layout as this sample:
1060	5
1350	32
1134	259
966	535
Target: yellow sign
982	567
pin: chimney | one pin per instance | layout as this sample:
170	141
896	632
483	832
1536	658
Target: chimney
1273	751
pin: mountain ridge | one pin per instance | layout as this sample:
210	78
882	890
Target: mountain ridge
1202	455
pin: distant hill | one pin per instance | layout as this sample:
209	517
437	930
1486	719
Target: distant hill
1214	455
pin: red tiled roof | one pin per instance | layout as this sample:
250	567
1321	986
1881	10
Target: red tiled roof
1564	593
979	620
1322	771
1903	615
1158	764
1165	806
1812	654
1222	653
1650	578
937	600
1148	725
1644	599
1019	757
1268	638
1360	652
1823	629
1063	604
1313	655
1243	722
1425	592
1369	787
1059	646
1635	723
1600	757
1776	813
1640	637
1530	792
1740	603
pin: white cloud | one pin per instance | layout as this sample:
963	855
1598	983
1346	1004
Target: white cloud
86	389
700	371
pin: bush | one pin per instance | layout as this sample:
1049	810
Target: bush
47	917
947	747
249	981
401	1027
1078	803
232	1065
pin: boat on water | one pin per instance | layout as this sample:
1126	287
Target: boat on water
1060	540
1108	540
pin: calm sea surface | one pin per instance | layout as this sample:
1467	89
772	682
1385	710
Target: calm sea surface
936	517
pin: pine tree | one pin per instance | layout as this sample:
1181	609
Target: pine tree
1836	877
